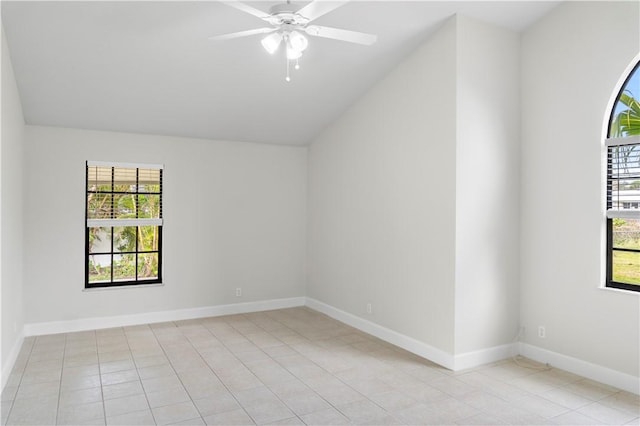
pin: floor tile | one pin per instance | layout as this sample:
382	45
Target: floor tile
203	390
175	413
269	412
291	421
5	408
325	417
37	390
119	377
393	400
235	417
533	384
9	393
80	360
451	410
288	389
80	414
80	396
361	412
82	370
141	418
122	389
419	414
575	418
150	361
161	384
305	403
481	419
566	398
606	414
623	401
115	366
422	392
218	402
369	386
590	389
128	404
14	378
541	406
241	381
451	386
119	355
34	411
173	396
154	371
47	355
191	422
338	394
42	366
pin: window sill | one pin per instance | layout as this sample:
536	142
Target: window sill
122	287
619	290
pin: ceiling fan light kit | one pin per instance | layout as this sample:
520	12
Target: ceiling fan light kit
289	22
271	43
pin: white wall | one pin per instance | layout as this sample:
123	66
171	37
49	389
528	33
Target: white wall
235	216
487	186
568	80
382	200
11	213
414	195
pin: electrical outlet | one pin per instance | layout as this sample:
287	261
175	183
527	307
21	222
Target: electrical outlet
542	333
238	292
369	308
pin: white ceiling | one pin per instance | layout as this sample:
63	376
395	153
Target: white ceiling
148	67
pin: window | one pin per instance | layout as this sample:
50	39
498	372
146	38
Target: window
123	236
623	188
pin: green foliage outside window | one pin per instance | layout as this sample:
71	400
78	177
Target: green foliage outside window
626	233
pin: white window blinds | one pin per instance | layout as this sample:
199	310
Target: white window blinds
123	194
623	177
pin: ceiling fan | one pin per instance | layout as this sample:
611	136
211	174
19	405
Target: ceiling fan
290	22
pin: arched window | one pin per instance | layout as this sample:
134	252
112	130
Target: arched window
623	187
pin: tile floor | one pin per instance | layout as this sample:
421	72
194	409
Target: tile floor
290	366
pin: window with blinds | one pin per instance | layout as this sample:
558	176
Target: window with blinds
623	188
123	224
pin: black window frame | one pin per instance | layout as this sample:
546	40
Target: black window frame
112	252
609	282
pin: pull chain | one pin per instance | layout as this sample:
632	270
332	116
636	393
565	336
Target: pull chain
287	78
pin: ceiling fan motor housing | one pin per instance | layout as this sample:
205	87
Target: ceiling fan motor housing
286	14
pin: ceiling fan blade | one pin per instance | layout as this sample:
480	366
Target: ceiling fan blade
246	8
317	8
339	34
242	34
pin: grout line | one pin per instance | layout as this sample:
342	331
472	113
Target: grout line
135	366
64	351
33	343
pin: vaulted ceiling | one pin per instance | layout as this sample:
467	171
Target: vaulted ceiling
149	67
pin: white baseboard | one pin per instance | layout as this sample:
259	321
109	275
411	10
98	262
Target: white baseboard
405	342
582	368
83	324
455	363
473	359
7	364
